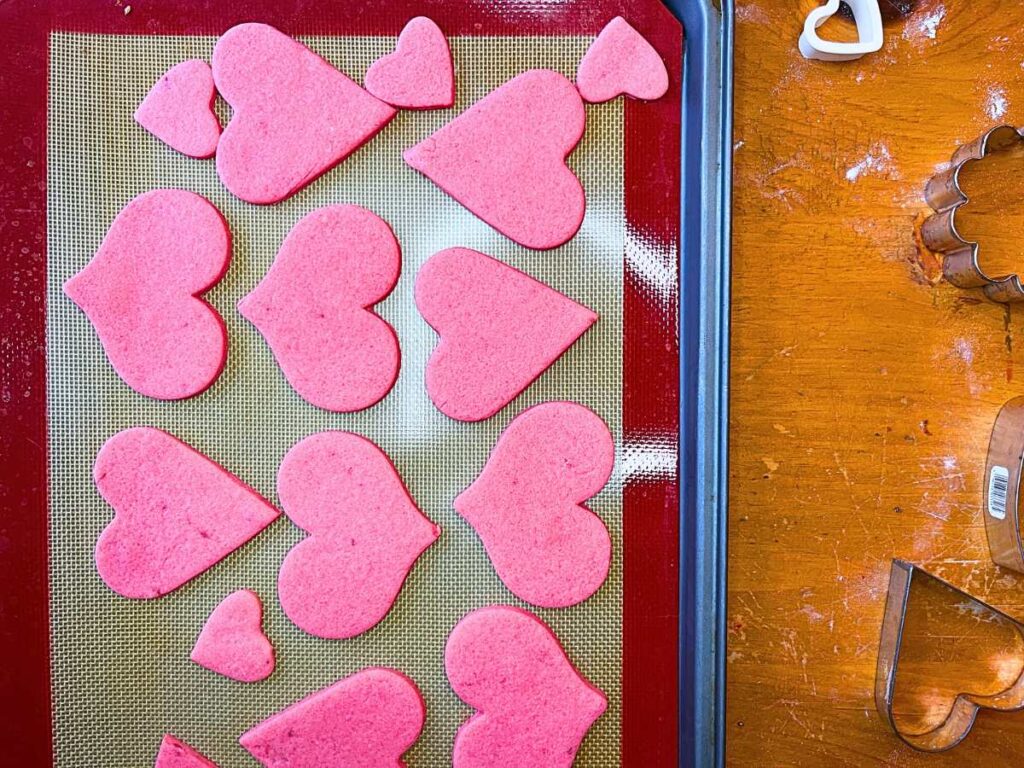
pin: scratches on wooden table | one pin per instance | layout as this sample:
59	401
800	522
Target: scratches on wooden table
863	386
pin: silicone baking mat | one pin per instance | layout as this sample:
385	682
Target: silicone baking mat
120	668
93	679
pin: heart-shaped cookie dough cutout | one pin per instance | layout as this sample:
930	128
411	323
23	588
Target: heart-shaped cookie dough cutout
504	159
313	308
621	61
178	109
141	292
499	330
176	513
365	534
532	707
419	73
174	753
295	116
367	720
232	642
527	504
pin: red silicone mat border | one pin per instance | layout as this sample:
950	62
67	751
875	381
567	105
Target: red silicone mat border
650	345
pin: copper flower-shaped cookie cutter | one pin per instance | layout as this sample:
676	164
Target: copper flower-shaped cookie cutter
944	194
906	579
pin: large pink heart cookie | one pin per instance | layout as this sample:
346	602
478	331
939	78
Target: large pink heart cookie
178	109
295	116
141	292
419	74
621	61
527	504
533	707
500	329
174	753
176	513
232	642
367	720
365	534
504	159
313	307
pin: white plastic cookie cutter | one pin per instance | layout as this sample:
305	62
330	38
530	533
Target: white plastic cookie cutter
869	31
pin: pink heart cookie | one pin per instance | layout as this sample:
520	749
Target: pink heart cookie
178	109
313	307
368	720
504	159
533	707
527	504
232	642
419	74
621	61
176	513
295	116
500	329
141	292
365	534
175	753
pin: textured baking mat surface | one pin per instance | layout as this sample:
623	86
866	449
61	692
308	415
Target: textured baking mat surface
120	669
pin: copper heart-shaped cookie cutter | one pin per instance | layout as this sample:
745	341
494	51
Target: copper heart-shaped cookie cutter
944	194
1003	473
905	578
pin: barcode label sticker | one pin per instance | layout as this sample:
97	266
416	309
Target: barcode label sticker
998	485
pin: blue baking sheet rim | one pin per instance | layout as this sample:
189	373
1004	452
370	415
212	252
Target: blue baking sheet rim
704	374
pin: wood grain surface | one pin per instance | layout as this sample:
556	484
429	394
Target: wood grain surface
863	386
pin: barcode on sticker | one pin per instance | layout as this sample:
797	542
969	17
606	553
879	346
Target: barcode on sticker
998	485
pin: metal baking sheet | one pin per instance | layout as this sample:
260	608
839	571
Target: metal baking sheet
676	246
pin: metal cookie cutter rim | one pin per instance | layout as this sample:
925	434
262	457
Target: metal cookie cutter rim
944	194
961	717
1003	472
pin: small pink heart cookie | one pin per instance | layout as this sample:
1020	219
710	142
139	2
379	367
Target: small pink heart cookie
178	109
176	513
527	504
504	159
419	74
174	753
367	720
500	329
141	292
232	642
295	116
533	707
365	534
621	61
313	307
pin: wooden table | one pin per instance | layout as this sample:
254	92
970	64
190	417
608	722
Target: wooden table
863	386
